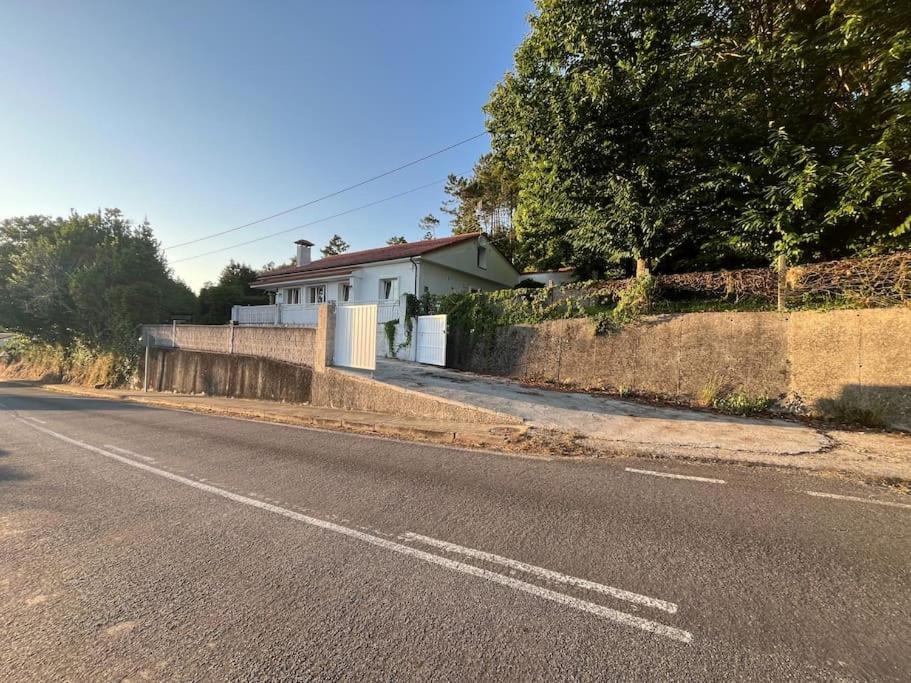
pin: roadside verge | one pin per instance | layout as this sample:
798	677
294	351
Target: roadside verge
877	458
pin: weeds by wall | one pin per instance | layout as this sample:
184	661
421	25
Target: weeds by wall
23	358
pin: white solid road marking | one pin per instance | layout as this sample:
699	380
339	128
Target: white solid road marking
857	499
668	475
131	453
544	593
544	573
29	417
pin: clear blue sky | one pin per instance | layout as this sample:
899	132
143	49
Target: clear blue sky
205	115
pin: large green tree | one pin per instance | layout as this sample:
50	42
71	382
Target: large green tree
824	87
232	289
606	117
86	277
718	131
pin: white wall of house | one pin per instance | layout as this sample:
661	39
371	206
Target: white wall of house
440	279
332	289
367	280
489	270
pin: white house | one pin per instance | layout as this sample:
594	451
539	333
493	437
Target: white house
458	263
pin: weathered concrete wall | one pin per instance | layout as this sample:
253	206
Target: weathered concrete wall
667	355
345	390
220	374
858	357
289	344
862	357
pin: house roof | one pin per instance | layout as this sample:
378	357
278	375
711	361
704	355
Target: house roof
336	263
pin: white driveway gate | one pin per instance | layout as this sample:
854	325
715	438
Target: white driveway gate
430	338
355	336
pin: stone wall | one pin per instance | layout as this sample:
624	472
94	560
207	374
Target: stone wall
219	374
288	344
862	357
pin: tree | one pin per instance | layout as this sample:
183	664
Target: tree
335	246
91	278
485	201
827	96
429	224
605	117
397	239
705	131
233	289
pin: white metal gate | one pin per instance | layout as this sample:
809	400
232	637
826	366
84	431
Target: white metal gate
430	339
355	336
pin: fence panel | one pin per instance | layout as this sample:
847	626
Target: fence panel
355	336
255	315
430	340
299	314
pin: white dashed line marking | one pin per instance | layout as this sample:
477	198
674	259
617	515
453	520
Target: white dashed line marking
856	499
669	475
130	453
601	611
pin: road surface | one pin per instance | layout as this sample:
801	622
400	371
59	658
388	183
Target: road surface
139	543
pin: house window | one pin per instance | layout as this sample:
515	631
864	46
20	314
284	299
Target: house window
389	289
293	295
482	257
317	294
344	292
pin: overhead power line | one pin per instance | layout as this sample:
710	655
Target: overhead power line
325	196
306	225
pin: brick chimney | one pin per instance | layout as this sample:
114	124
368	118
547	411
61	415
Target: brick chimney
303	252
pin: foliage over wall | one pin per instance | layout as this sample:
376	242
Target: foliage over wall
879	281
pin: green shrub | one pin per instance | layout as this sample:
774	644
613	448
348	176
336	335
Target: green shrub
741	403
389	328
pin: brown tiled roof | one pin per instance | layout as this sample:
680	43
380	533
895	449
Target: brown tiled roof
356	258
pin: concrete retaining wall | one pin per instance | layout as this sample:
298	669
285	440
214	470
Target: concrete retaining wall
289	344
859	358
862	357
339	389
219	374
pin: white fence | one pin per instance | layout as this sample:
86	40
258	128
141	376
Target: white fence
355	336
276	314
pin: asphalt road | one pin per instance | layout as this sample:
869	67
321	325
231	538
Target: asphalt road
139	543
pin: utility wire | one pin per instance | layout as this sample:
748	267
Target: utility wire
326	196
306	225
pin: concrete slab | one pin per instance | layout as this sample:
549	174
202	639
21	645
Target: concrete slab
605	419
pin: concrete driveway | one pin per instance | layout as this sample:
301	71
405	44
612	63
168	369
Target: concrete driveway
605	419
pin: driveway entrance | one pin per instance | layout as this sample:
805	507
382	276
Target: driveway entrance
602	418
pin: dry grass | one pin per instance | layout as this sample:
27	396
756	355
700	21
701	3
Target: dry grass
35	361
